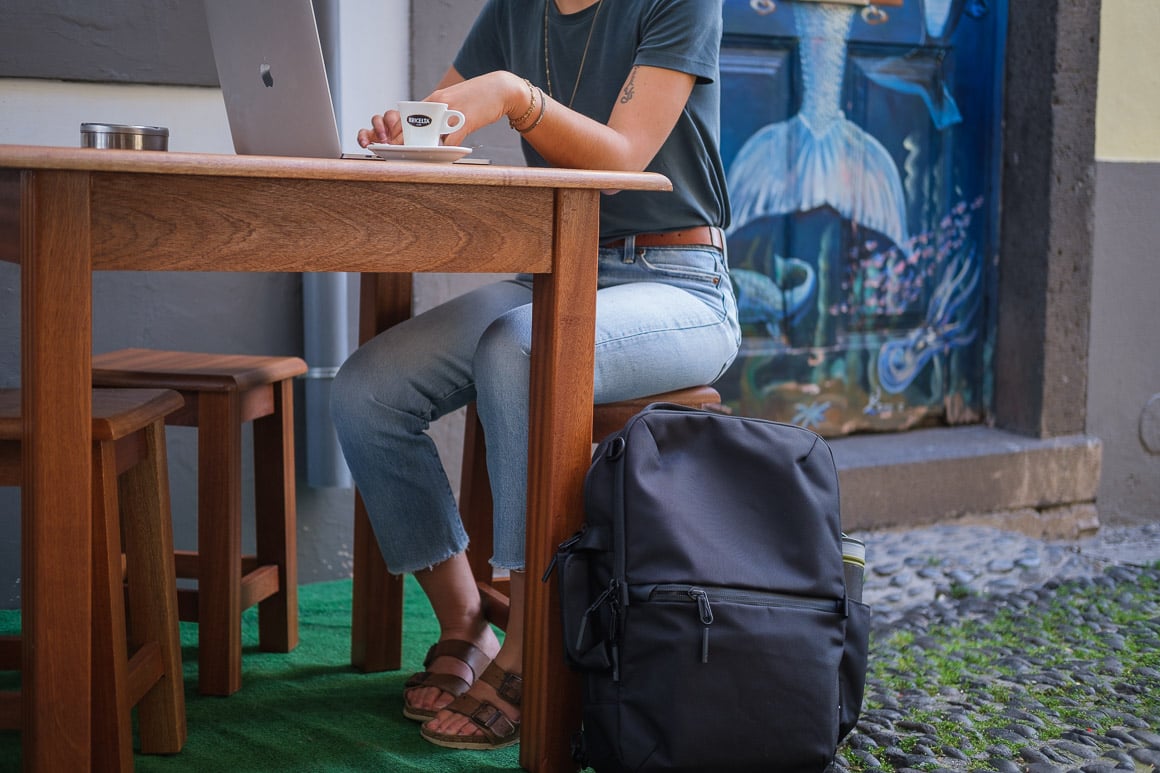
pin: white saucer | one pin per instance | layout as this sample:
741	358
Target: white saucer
440	154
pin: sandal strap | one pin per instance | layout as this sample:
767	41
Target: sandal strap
449	683
463	651
507	685
492	722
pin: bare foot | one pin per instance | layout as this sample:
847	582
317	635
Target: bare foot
455	724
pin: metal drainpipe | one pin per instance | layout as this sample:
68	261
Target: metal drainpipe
327	345
325	317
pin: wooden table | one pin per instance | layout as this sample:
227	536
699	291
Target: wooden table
67	212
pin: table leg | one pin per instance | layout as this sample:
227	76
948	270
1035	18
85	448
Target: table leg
376	627
56	357
560	438
376	631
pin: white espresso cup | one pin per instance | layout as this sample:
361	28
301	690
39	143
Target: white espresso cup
425	122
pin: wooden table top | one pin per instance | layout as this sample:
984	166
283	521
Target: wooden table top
221	165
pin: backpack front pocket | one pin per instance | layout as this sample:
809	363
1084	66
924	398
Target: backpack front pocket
727	705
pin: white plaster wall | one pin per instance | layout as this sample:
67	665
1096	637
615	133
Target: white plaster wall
42	112
1128	103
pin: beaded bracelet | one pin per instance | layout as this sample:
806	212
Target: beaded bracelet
540	117
531	106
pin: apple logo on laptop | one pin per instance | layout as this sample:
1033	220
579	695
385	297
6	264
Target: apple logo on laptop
267	77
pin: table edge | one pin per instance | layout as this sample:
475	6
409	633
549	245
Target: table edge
45	157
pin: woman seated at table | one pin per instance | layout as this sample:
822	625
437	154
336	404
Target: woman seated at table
631	86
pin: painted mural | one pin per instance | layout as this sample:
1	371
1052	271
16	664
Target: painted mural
860	143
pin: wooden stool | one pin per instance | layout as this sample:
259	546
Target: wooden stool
223	391
376	648
131	497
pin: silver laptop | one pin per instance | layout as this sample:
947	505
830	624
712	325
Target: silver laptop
273	78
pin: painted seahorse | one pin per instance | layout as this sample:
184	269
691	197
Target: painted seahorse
762	301
818	157
949	324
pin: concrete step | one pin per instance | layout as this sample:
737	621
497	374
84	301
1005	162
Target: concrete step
1044	487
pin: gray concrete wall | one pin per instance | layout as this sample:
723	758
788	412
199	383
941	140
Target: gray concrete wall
113	41
1046	231
1123	406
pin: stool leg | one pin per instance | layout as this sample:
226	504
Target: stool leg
219	543
112	738
276	520
148	528
475	506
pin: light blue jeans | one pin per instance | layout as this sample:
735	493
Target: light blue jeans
666	319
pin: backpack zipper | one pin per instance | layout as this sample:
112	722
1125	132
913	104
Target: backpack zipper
702	597
617	587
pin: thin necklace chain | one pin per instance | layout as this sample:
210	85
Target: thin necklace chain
583	56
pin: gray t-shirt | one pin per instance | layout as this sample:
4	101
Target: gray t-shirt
682	35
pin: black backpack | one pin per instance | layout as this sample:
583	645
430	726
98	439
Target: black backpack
705	600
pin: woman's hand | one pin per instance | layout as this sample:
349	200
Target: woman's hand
483	100
386	128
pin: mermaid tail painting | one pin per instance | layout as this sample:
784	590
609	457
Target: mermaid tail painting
819	158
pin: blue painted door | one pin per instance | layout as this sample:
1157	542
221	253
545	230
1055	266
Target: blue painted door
861	146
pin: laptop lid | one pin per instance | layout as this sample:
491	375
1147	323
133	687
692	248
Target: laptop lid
273	78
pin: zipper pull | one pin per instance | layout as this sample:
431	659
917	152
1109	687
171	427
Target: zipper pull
706	612
607	596
563	546
568	543
602	598
613	612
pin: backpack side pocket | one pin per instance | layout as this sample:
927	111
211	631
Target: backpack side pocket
852	671
582	566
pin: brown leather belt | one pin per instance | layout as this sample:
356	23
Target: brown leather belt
706	235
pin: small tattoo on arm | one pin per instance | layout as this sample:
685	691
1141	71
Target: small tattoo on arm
629	88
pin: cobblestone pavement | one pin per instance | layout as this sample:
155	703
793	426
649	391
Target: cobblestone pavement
1086	707
910	567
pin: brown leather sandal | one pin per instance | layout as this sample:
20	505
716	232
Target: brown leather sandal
465	652
498	731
